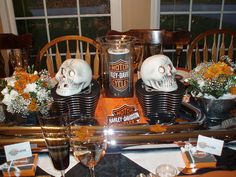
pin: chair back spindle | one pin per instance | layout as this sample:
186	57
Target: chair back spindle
211	46
72	46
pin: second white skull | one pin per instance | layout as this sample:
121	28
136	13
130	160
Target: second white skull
73	76
158	72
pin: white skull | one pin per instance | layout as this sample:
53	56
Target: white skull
73	76
158	72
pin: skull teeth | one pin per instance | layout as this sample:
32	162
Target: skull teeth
167	82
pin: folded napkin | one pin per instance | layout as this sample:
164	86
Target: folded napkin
45	164
158	154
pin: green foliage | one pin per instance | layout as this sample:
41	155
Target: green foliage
30	69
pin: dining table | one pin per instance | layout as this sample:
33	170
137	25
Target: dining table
121	163
137	147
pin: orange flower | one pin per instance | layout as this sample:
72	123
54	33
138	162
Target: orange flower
32	106
209	75
33	78
232	90
21	78
217	69
21	74
227	70
45	84
20	86
25	96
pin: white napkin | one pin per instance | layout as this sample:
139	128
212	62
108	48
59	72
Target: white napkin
45	164
151	159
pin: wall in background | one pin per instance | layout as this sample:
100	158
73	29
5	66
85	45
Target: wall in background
135	14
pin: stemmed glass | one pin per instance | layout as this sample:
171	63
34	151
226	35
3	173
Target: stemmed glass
18	59
88	144
54	127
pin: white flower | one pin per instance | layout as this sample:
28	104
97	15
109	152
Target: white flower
198	68
194	94
13	94
41	94
5	91
7	100
201	83
30	87
17	102
186	79
11	81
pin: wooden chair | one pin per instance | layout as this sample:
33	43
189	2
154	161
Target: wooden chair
156	41
211	46
11	41
59	49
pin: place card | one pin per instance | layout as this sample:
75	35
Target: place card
209	145
17	151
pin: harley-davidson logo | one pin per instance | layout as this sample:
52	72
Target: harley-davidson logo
124	115
119	73
124	110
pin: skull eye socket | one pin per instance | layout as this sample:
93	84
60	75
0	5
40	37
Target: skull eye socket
71	73
63	71
170	68
161	69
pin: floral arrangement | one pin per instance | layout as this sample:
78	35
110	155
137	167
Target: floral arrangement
27	91
213	81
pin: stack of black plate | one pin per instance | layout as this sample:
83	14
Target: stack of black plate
81	106
159	106
60	102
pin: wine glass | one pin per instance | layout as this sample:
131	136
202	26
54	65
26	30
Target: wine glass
88	144
18	59
54	127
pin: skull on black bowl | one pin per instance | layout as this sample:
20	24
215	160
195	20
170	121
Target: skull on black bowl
73	76
158	72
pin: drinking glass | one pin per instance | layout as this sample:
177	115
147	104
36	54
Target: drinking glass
88	144
18	59
118	61
54	127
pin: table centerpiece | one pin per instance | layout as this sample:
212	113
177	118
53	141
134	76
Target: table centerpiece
213	86
25	93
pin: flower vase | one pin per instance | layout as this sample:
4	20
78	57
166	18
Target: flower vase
215	110
21	120
27	120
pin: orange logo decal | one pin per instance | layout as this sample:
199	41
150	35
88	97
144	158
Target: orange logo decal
124	115
119	73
